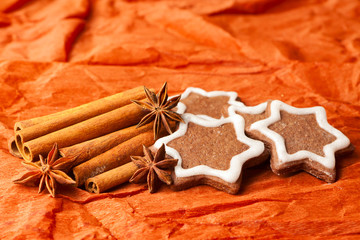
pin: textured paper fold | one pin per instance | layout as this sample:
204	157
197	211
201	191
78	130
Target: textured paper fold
304	53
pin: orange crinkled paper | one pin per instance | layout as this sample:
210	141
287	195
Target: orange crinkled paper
59	54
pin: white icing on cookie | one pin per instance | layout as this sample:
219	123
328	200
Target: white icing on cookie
182	107
327	161
237	106
230	175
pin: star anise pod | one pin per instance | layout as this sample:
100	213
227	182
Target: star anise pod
48	172
152	168
160	109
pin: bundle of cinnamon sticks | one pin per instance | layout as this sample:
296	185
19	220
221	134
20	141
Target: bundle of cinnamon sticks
101	134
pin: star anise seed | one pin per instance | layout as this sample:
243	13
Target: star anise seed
160	109
152	168
48	172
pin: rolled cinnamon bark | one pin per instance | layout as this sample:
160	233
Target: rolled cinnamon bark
111	178
13	148
77	114
90	149
33	128
113	158
91	128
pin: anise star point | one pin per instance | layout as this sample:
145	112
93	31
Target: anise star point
47	172
160	109
153	168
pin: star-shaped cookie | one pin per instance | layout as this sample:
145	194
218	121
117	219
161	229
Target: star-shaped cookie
208	105
212	152
301	139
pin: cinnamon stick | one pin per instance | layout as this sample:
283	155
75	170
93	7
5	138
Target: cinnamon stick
37	127
80	132
80	113
111	178
90	149
13	148
112	158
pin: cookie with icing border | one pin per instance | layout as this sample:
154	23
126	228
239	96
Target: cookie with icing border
251	114
208	105
211	153
301	139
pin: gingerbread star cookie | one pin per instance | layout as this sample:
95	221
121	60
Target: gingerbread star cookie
301	139
208	105
212	152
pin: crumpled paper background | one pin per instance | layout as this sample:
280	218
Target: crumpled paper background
59	54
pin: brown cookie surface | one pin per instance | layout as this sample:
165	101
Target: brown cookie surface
202	105
207	104
302	132
205	146
251	118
